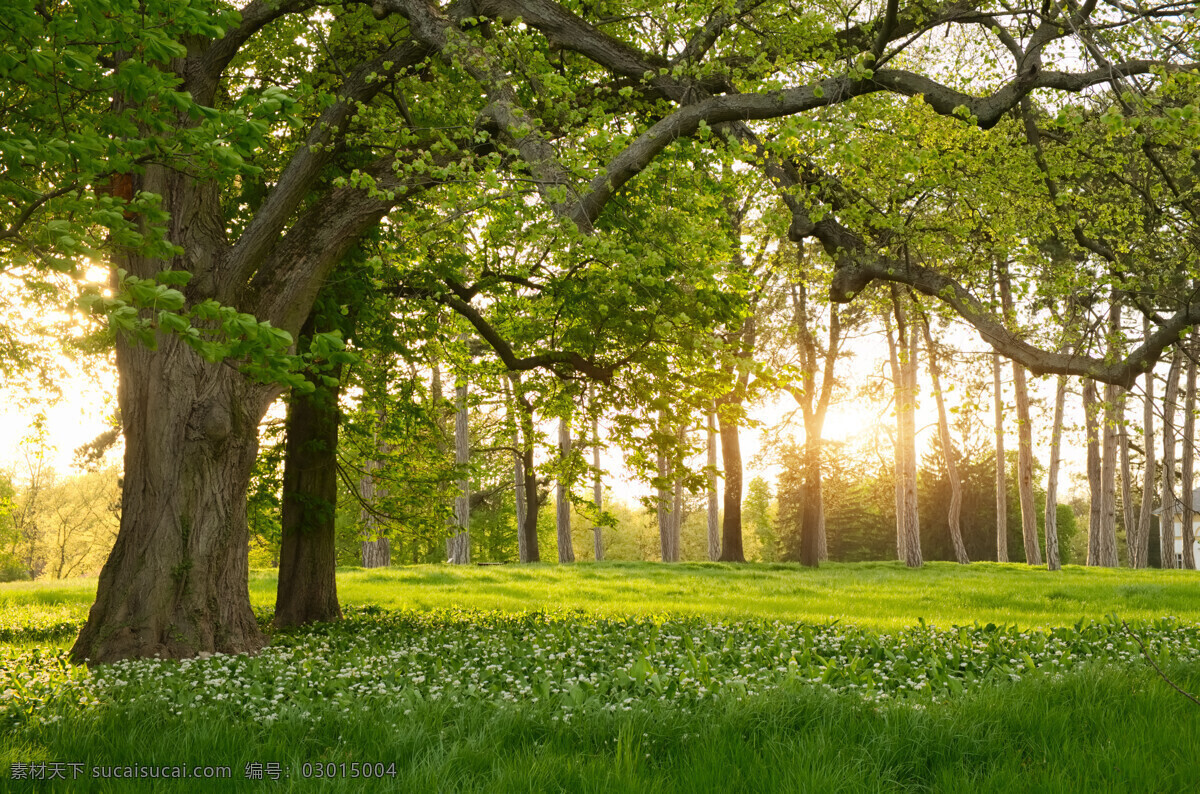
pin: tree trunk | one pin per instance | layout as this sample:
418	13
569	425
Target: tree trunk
904	371
1001	465
677	504
1091	408
714	532
458	546
1170	504
731	460
1188	452
948	452
519	487
1126	489
566	550
307	586
667	539
376	549
597	487
1106	553
1139	542
1053	558
176	582
1033	553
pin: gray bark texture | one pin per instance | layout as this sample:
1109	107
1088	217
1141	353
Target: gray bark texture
714	527
1053	556
1139	542
1188	453
949	454
566	549
1001	465
597	488
1170	503
1091	422
458	546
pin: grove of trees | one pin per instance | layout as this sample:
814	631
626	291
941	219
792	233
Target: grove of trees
445	232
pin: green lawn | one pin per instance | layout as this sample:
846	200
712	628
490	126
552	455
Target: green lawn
644	677
883	596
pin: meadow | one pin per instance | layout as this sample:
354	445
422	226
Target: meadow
640	677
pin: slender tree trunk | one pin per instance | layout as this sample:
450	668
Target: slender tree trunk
667	525
677	502
714	532
1091	409
566	550
518	481
1188	452
376	548
528	527
597	486
458	547
899	464
1053	558
1126	478
1001	465
948	452
908	528
1107	551
1033	553
1170	503
307	587
1139	551
731	458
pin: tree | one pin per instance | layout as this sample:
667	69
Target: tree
227	200
949	455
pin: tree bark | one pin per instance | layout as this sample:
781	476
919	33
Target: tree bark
1033	553
1053	557
376	548
1126	478
176	581
597	487
1106	551
307	585
714	531
566	550
1170	503
1188	452
903	355
458	546
1091	408
1139	542
814	404
731	460
1001	465
948	452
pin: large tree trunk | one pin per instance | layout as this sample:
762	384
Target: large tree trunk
1139	541
1186	486
307	586
458	546
948	452
1053	558
714	531
566	550
1170	503
1091	422
176	582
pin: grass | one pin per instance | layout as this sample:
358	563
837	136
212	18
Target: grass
884	596
747	686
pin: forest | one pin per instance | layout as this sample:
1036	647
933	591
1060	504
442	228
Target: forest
756	295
